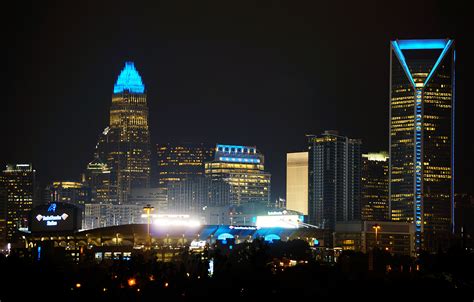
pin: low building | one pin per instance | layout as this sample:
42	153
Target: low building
363	236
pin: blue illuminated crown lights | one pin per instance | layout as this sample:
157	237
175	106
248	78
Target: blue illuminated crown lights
400	45
422	44
129	79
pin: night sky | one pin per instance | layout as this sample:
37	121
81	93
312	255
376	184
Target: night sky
224	71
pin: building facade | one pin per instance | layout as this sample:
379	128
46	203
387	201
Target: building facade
75	193
297	182
177	162
128	137
97	178
374	182
363	236
333	179
243	168
191	195
18	186
422	138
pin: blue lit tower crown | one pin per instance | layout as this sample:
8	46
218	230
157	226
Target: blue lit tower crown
128	145
422	137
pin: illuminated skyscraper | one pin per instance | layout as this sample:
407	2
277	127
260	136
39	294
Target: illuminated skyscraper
374	199
97	178
177	162
334	179
297	182
18	191
128	139
422	137
243	168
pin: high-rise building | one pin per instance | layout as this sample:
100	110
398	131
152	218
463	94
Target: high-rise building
177	162
128	138
422	137
243	168
334	179
374	181
3	213
18	182
97	178
297	181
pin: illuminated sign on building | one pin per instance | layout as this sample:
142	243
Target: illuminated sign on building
55	217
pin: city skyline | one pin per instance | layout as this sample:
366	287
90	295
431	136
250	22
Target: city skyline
301	89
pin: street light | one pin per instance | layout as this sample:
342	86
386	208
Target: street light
148	208
376	227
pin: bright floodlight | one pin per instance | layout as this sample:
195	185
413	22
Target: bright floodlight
278	221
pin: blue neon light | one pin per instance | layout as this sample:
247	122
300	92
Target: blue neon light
52	207
129	79
271	237
240	160
422	44
441	56
39	253
235	149
225	236
315	242
402	60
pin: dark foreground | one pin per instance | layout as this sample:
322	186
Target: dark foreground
249	271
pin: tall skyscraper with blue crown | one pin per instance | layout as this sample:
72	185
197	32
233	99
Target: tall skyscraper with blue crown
128	138
422	85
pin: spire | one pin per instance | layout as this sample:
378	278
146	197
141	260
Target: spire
129	79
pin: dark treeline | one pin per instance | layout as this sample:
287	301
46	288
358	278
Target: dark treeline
243	271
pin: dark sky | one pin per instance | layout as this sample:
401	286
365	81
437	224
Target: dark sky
232	72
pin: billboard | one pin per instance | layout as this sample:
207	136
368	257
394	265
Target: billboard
54	217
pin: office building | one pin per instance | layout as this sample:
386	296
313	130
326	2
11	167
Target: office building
156	197
334	179
422	138
128	137
97	178
75	193
363	236
18	186
177	162
297	182
191	195
374	182
243	167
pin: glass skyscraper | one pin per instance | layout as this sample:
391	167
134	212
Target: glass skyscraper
334	167
17	182
128	137
422	137
374	201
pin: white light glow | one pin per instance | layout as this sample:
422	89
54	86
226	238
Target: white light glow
278	221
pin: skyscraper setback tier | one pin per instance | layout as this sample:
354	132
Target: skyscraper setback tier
422	137
128	138
334	168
